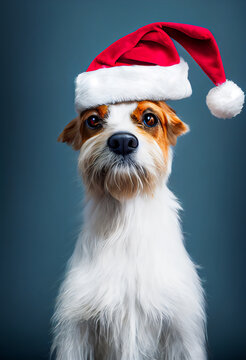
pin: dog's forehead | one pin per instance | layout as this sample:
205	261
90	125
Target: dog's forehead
119	115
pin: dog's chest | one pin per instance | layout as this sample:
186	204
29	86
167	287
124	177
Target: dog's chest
137	272
139	262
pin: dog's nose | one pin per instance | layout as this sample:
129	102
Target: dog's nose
122	143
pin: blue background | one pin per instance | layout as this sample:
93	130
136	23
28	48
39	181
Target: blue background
45	45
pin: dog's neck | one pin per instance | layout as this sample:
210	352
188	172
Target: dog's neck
136	248
131	225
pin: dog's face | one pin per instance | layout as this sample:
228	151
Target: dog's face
124	148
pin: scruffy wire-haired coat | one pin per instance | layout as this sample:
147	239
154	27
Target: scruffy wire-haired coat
131	291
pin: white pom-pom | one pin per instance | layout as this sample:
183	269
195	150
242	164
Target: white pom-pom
226	100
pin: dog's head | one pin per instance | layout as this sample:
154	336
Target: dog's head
124	148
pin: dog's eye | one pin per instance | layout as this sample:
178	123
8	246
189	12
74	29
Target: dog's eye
93	122
150	120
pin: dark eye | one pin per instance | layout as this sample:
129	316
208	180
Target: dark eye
93	122
150	120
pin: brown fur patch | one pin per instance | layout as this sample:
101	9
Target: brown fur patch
71	134
175	127
102	111
76	132
169	128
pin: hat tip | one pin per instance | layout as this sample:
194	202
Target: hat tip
226	100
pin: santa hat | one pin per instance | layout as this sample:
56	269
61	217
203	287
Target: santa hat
145	65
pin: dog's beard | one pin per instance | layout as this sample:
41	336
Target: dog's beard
104	172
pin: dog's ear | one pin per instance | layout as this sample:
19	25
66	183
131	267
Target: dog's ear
175	127
72	134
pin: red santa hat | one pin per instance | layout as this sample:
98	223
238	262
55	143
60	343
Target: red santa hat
145	65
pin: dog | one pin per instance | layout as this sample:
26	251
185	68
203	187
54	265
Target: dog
131	291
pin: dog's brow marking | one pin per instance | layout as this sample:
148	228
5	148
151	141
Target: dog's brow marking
102	111
107	114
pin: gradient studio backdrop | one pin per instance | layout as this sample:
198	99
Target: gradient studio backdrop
45	44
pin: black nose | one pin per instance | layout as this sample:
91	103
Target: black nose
122	143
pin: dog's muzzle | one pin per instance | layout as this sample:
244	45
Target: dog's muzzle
122	143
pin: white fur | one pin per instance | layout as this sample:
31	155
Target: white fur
131	83
226	100
130	287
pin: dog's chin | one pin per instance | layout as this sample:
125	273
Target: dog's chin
123	180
